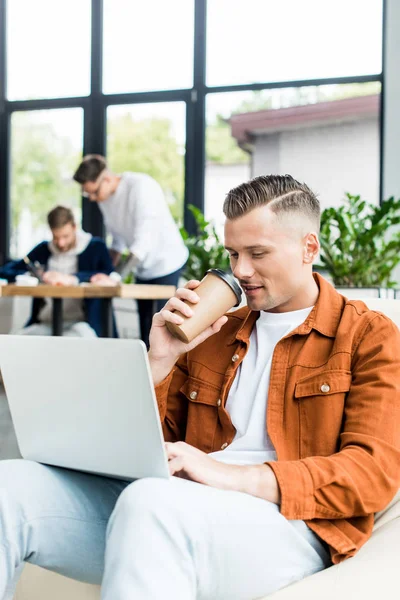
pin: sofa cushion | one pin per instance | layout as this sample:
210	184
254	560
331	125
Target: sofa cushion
372	573
392	511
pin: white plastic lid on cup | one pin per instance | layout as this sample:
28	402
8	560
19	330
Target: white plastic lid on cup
26	279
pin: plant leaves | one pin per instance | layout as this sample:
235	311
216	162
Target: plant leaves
360	246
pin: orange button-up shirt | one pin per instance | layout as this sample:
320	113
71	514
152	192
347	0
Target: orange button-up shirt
333	412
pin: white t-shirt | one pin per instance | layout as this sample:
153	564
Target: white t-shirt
67	263
138	218
248	397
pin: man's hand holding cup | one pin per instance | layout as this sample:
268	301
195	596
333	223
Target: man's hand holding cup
190	317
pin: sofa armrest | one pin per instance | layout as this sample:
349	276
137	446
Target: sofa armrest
39	584
370	574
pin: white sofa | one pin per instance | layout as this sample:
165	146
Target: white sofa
371	574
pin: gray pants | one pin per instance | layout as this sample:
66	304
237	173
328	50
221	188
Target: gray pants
153	539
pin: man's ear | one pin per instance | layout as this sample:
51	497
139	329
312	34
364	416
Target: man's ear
311	247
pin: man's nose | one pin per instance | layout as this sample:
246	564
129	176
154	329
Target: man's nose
243	268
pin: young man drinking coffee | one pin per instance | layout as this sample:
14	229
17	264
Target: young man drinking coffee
282	428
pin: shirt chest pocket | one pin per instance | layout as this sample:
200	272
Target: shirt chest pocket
323	384
203	401
321	401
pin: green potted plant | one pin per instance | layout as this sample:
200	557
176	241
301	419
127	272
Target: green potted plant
360	243
206	250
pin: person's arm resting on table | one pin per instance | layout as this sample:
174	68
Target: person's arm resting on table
13	268
56	278
105	275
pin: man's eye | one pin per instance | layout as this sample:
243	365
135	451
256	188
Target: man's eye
232	255
259	255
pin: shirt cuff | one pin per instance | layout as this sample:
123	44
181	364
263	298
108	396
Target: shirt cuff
137	252
115	277
296	487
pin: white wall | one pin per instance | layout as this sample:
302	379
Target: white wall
218	181
391	98
331	159
266	155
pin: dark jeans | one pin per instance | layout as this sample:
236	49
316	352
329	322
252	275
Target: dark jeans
146	308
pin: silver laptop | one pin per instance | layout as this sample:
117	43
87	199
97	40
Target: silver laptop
85	404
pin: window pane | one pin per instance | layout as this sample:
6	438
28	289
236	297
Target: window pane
150	138
48	49
326	136
46	147
284	40
227	165
147	45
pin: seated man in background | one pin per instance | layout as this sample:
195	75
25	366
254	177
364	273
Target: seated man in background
71	257
137	216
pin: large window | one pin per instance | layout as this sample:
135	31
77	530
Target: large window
147	45
150	138
283	40
326	136
46	147
199	94
227	164
48	48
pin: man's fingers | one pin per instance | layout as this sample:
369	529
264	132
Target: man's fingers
192	284
167	316
175	465
187	294
214	328
177	304
175	449
219	323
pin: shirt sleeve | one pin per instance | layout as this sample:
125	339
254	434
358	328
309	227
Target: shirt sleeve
364	475
17	267
172	404
148	200
117	243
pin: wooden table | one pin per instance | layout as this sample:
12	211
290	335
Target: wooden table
88	290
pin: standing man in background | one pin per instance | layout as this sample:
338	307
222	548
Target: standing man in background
137	216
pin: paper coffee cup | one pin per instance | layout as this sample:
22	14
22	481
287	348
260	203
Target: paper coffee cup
218	292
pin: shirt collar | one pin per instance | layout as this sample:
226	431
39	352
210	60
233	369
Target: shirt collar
324	317
327	312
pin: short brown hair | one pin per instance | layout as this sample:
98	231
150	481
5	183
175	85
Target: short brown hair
90	168
60	216
282	192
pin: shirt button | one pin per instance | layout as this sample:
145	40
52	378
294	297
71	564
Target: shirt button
235	357
325	387
219	402
224	446
193	395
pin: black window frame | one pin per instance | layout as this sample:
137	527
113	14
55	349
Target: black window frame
95	109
